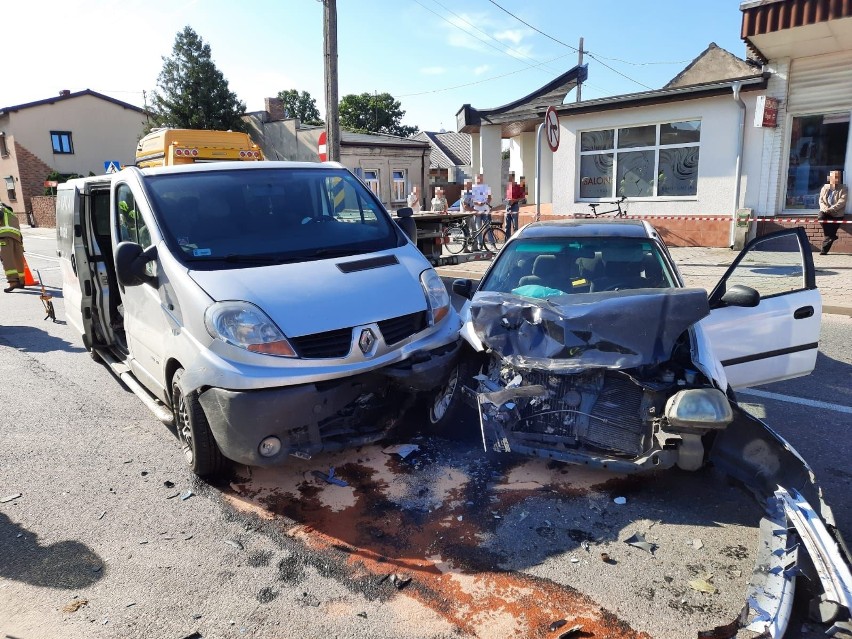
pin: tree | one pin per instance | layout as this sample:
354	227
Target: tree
300	105
193	93
374	113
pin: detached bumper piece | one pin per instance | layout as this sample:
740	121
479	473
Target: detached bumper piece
793	530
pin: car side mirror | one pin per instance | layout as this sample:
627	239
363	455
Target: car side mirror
130	262
463	288
739	295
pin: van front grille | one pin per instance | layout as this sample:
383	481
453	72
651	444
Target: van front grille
331	344
336	344
397	329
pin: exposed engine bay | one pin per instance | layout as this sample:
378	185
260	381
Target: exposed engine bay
607	382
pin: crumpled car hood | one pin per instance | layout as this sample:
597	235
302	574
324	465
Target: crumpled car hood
616	330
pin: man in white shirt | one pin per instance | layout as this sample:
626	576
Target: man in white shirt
414	199
481	194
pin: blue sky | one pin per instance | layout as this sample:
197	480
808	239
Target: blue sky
432	55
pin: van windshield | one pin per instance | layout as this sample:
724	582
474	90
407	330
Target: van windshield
268	215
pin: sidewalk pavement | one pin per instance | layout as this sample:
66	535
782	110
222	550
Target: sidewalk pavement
701	267
704	267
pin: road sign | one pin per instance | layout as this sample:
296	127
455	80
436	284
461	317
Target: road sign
551	128
322	147
112	166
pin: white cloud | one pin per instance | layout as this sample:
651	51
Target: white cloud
433	70
482	68
510	35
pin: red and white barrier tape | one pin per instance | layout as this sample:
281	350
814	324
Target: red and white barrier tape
728	218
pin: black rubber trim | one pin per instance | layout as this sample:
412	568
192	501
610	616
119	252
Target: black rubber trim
767	355
364	265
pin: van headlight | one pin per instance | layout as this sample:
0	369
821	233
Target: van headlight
437	298
245	325
699	409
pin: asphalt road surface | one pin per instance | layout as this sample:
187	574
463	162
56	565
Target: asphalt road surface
111	535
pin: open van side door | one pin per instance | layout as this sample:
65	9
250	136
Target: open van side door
81	258
773	335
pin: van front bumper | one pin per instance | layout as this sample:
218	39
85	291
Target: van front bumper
323	416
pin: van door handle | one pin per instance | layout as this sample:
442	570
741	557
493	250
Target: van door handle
805	311
74	265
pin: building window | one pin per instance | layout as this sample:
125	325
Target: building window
61	141
399	188
4	150
656	160
817	146
371	179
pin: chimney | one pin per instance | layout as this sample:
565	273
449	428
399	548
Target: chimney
275	109
64	93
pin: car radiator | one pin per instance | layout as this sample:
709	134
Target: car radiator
602	410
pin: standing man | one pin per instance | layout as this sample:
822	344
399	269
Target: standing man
11	248
514	195
832	206
481	194
414	199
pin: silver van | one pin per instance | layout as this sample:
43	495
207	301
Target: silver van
264	310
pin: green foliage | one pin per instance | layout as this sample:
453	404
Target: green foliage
374	114
192	93
300	105
56	176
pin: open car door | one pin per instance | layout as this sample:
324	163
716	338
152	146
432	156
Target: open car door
773	335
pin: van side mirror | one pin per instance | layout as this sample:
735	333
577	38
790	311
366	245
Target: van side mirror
130	262
463	288
406	222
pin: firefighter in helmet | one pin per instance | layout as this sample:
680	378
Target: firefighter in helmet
11	248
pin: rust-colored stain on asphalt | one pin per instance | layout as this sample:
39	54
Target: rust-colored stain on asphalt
395	521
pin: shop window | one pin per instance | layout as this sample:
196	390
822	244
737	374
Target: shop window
61	142
399	186
657	160
817	146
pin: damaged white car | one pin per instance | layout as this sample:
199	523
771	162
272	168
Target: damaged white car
584	346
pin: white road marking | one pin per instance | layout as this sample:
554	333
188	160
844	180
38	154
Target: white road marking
41	257
796	400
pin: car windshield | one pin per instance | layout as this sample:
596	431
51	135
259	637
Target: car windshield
268	215
547	267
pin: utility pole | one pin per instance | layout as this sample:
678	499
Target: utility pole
580	63
332	117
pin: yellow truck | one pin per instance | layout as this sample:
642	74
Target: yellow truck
168	147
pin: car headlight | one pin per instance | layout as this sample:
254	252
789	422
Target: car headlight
437	298
699	409
245	325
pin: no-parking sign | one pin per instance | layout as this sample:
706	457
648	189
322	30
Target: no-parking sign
551	128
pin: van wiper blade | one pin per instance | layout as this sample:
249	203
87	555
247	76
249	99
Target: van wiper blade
330	252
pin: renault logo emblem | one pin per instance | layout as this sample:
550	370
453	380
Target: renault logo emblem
366	341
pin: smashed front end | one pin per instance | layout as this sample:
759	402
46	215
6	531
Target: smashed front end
603	379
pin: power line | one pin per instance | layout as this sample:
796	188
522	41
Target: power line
468	84
575	49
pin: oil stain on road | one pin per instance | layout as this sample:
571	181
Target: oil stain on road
461	533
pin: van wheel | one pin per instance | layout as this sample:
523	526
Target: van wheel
445	404
200	448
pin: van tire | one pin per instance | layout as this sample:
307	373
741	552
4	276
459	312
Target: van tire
193	432
445	405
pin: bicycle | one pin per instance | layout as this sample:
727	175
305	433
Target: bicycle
619	212
459	237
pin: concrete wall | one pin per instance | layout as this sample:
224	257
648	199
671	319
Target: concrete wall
719	122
